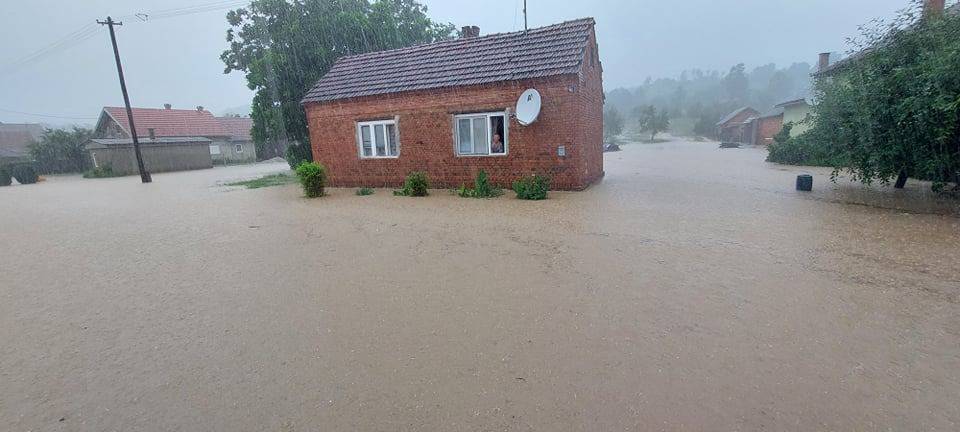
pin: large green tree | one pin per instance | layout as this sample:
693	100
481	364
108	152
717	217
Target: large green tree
61	150
895	110
285	46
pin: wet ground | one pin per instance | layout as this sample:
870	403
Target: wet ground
693	289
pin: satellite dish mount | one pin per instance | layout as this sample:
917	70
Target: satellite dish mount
528	107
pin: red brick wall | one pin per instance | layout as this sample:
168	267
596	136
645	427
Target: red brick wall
571	116
767	128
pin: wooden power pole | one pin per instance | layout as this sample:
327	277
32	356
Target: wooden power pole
144	175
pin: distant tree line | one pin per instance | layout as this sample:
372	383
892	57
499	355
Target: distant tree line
893	111
696	100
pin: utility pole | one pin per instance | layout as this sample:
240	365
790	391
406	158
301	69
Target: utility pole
524	16
144	175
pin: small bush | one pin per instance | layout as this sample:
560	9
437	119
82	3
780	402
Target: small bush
313	178
100	172
415	185
25	174
533	187
5	178
364	191
481	188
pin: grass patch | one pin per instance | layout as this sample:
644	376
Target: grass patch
364	191
266	181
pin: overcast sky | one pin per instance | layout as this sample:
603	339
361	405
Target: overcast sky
176	60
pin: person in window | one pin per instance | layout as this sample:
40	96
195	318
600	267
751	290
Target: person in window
497	145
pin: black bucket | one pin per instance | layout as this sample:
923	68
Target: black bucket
805	182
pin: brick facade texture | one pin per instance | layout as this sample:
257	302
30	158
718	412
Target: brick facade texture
767	127
571	116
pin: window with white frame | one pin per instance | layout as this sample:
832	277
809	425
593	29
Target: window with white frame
239	148
481	134
378	139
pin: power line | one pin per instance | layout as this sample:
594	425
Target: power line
48	115
90	30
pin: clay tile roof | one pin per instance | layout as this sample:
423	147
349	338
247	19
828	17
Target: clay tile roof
237	127
169	122
548	51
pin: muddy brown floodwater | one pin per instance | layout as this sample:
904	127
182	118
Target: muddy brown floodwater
693	289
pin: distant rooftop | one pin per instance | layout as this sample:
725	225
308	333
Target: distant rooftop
167	122
16	137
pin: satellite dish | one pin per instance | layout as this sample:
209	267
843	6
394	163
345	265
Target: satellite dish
528	107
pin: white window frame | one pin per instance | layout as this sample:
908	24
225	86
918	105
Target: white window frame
215	147
373	142
486	116
238	147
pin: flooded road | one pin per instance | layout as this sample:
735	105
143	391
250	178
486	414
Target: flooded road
693	289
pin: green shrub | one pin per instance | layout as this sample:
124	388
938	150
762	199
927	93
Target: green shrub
25	174
415	185
313	178
364	191
801	150
533	187
100	172
5	178
481	188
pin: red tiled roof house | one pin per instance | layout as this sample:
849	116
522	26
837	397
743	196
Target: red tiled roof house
447	108
229	137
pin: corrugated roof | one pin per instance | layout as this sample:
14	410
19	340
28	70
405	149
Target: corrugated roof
168	122
237	127
548	51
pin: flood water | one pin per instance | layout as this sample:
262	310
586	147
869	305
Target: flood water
693	289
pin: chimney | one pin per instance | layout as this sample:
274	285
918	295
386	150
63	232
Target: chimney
167	106
824	61
152	133
469	32
933	7
200	108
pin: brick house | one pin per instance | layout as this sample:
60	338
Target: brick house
447	108
228	142
737	126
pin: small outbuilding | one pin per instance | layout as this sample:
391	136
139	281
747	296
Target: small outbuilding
159	154
737	126
448	109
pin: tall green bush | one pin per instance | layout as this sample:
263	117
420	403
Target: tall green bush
61	150
533	187
5	178
313	178
895	108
